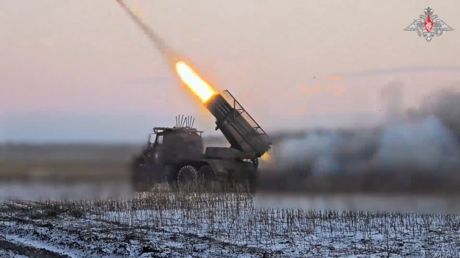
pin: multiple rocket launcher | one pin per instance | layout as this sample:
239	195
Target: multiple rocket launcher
247	139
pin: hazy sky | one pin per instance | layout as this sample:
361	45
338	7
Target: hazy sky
81	70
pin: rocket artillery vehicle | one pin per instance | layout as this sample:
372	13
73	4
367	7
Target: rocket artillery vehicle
176	154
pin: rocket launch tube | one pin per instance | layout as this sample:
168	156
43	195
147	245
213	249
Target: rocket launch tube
236	129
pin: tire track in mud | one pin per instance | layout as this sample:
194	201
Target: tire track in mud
63	230
194	243
170	243
28	251
183	243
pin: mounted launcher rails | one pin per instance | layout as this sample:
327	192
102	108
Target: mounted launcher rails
238	163
246	141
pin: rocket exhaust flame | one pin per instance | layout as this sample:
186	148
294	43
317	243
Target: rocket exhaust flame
194	82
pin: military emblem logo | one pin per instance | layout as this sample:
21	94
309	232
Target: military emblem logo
428	25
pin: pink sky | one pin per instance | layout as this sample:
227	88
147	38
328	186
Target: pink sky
87	58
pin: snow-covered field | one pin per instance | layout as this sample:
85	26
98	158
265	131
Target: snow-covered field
215	225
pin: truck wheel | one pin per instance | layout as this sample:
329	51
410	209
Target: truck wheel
206	178
187	175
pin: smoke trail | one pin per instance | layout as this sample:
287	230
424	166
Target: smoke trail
170	56
136	8
157	41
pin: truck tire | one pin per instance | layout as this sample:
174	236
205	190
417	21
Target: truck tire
186	175
207	178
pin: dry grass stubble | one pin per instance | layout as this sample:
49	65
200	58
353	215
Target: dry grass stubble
232	218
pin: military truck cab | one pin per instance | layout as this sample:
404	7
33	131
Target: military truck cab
175	145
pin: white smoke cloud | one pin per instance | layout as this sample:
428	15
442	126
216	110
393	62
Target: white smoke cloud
316	149
427	143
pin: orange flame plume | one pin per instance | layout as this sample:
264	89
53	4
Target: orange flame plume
202	89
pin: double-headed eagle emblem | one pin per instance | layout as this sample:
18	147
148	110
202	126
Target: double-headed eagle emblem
428	25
